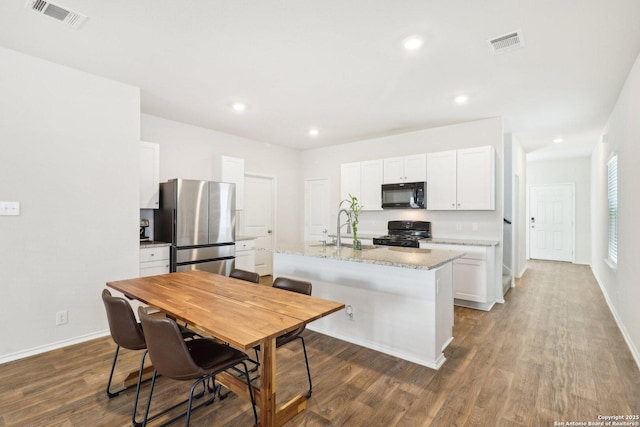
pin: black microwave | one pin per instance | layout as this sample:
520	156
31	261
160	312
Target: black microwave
406	195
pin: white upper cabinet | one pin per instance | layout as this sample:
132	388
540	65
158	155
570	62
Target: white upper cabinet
405	169
149	175
350	179
461	179
441	180
233	172
476	179
363	180
371	185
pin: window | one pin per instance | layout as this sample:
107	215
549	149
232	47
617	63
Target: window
612	207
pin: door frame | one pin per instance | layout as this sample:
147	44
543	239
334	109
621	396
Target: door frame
274	196
306	180
571	185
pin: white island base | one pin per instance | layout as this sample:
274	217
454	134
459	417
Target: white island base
404	312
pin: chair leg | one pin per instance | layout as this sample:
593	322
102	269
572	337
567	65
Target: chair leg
253	402
191	396
146	412
113	367
255	362
306	360
138	386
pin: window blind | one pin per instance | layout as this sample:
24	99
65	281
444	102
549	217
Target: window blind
612	201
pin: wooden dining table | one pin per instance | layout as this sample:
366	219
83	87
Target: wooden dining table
240	313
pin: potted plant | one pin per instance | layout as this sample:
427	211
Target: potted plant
354	207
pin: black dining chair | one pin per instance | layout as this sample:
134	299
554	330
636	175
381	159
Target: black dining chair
198	360
127	333
248	276
301	287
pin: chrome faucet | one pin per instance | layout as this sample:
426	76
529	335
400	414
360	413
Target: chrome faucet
339	226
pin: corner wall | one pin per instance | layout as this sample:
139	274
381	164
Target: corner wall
620	286
69	144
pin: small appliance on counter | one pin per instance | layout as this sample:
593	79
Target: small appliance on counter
405	233
144	224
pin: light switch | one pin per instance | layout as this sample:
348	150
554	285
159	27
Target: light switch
9	208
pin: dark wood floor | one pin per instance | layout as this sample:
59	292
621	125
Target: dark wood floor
552	353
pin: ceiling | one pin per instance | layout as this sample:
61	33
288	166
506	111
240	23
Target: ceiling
339	66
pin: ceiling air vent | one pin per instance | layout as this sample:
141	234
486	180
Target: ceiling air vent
506	42
57	12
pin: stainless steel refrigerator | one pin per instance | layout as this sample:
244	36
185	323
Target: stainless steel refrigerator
198	218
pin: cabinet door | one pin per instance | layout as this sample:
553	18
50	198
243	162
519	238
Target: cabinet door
233	171
394	170
441	180
371	185
246	260
350	180
470	280
149	175
476	179
415	168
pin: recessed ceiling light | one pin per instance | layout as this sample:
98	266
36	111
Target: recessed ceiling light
460	99
239	107
314	132
412	43
558	140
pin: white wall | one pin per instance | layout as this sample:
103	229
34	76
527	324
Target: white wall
69	155
621	286
193	152
325	162
519	164
569	170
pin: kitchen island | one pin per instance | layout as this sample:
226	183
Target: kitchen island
398	300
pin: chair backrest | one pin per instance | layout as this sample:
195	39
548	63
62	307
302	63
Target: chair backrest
299	286
249	276
167	349
125	329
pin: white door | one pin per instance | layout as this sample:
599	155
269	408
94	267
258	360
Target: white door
258	219
551	222
316	209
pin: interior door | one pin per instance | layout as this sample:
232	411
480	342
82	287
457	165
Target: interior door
551	222
259	219
316	209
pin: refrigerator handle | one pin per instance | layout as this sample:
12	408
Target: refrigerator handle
173	227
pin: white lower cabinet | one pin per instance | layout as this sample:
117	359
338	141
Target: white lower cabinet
246	255
470	279
472	275
154	261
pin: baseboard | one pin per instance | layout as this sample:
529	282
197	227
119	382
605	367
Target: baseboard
484	306
524	270
614	312
53	346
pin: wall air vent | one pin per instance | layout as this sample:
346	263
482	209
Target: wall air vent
506	42
57	12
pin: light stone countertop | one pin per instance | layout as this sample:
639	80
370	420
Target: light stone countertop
462	242
416	258
435	240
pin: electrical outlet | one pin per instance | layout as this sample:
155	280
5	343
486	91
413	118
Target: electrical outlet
349	312
474	226
62	318
458	226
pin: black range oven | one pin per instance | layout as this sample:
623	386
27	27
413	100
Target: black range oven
405	233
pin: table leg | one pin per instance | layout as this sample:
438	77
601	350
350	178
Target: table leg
268	384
